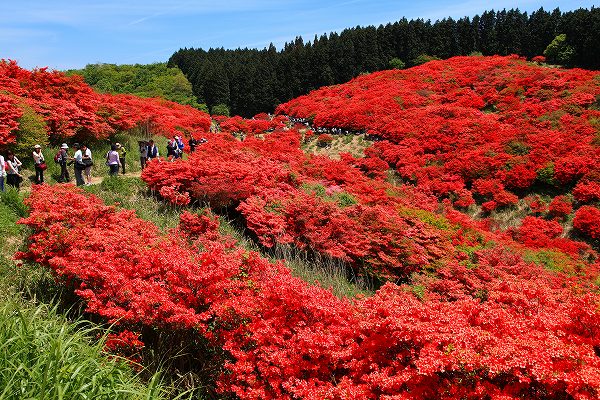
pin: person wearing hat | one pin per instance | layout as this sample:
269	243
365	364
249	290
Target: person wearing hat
62	159
39	163
122	153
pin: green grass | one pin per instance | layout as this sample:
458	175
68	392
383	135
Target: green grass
44	356
132	193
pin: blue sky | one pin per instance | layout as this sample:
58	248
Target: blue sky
65	34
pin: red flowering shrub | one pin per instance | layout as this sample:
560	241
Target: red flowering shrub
173	196
9	115
587	221
70	107
503	328
539	59
536	232
560	207
449	125
536	205
324	139
587	192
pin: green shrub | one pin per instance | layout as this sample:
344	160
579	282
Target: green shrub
559	51
396	63
220	109
31	131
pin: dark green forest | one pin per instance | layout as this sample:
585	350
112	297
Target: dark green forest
249	81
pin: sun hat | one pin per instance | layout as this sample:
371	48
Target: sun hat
37	146
118	145
64	146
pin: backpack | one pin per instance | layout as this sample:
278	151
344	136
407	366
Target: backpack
58	157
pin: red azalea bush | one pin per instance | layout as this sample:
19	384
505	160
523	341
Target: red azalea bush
9	115
324	139
341	208
587	192
449	125
71	107
503	328
587	221
338	208
560	207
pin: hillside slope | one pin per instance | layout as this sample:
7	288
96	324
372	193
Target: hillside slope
478	130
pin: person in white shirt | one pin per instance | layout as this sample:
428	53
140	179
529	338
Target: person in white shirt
13	177
39	163
152	150
113	160
86	158
78	165
2	173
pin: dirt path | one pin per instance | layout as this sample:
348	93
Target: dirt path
96	180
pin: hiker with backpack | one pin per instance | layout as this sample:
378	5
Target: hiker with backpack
180	146
172	148
152	151
83	163
86	158
61	158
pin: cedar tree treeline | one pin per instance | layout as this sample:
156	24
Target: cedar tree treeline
249	81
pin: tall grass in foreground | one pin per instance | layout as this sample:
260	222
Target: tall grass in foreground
44	356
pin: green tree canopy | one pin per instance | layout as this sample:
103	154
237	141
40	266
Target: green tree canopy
152	80
559	51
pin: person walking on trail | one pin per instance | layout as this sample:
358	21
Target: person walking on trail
39	163
13	177
152	150
112	160
2	172
192	143
172	148
122	154
62	157
180	146
86	158
78	165
143	153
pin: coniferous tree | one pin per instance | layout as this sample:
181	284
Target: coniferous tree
249	81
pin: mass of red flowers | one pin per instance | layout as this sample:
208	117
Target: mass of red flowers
344	208
71	107
468	308
500	327
473	129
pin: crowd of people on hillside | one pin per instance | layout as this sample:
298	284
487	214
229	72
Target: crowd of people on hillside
82	161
